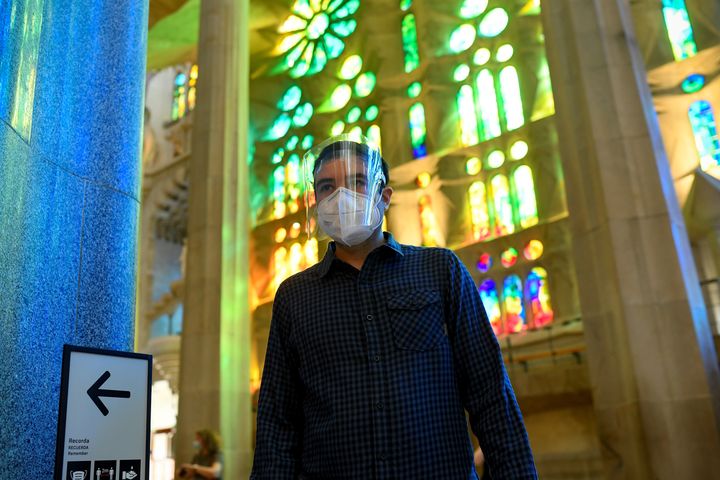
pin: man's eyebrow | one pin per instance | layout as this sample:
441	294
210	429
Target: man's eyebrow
321	181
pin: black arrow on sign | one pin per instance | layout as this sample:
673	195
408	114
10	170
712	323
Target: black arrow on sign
95	393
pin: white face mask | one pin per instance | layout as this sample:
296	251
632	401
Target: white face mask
347	216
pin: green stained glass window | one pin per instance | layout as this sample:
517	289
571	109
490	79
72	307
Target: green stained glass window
461	72
414	90
472	8
278	189
525	191
280	127
292	142
495	159
504	53
704	126
365	84
307	142
487	103
467	116
278	156
353	115
418	132
373	134
473	166
693	83
338	99
679	29
337	128
290	99
313	35
356	133
410	43
371	113
303	114
479	215
405	5
344	28
462	38
493	23
518	150
351	67
482	56
504	224
511	100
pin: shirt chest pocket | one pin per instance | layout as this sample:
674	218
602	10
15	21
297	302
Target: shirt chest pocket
417	320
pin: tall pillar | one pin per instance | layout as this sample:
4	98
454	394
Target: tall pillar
72	80
656	388
215	352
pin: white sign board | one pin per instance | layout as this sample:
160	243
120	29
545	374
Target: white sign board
104	418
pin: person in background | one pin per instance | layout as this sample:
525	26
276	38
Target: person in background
207	461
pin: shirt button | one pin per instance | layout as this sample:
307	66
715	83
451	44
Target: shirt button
383	457
369	318
376	358
379	405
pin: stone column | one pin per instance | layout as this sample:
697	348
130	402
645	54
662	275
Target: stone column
72	78
215	352
656	388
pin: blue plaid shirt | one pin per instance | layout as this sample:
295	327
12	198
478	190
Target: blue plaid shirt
368	375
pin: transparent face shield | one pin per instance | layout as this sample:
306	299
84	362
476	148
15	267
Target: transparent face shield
343	182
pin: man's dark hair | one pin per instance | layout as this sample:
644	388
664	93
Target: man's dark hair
359	150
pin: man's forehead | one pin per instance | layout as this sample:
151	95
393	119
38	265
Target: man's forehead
345	164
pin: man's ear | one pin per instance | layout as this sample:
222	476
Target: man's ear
386	194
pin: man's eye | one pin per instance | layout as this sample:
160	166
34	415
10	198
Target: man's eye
326	188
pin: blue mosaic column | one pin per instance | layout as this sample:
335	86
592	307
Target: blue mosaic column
71	98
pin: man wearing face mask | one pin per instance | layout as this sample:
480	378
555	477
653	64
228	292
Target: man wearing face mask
376	352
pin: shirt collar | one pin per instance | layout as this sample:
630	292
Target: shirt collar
390	244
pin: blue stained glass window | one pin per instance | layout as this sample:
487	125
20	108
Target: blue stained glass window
704	126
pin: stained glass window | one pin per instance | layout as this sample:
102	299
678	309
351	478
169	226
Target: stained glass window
292	186
491	302
493	23
192	87
511	100
518	150
472	8
479	217
679	29
417	130
704	126
279	267
533	250
503	207
485	263
462	38
278	192
513	301
428	222
487	103
693	83
538	295
525	194
509	257
495	159
468	118
313	35
410	43
179	98
351	67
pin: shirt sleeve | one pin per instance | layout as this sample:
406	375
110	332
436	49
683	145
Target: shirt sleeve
485	388
279	414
